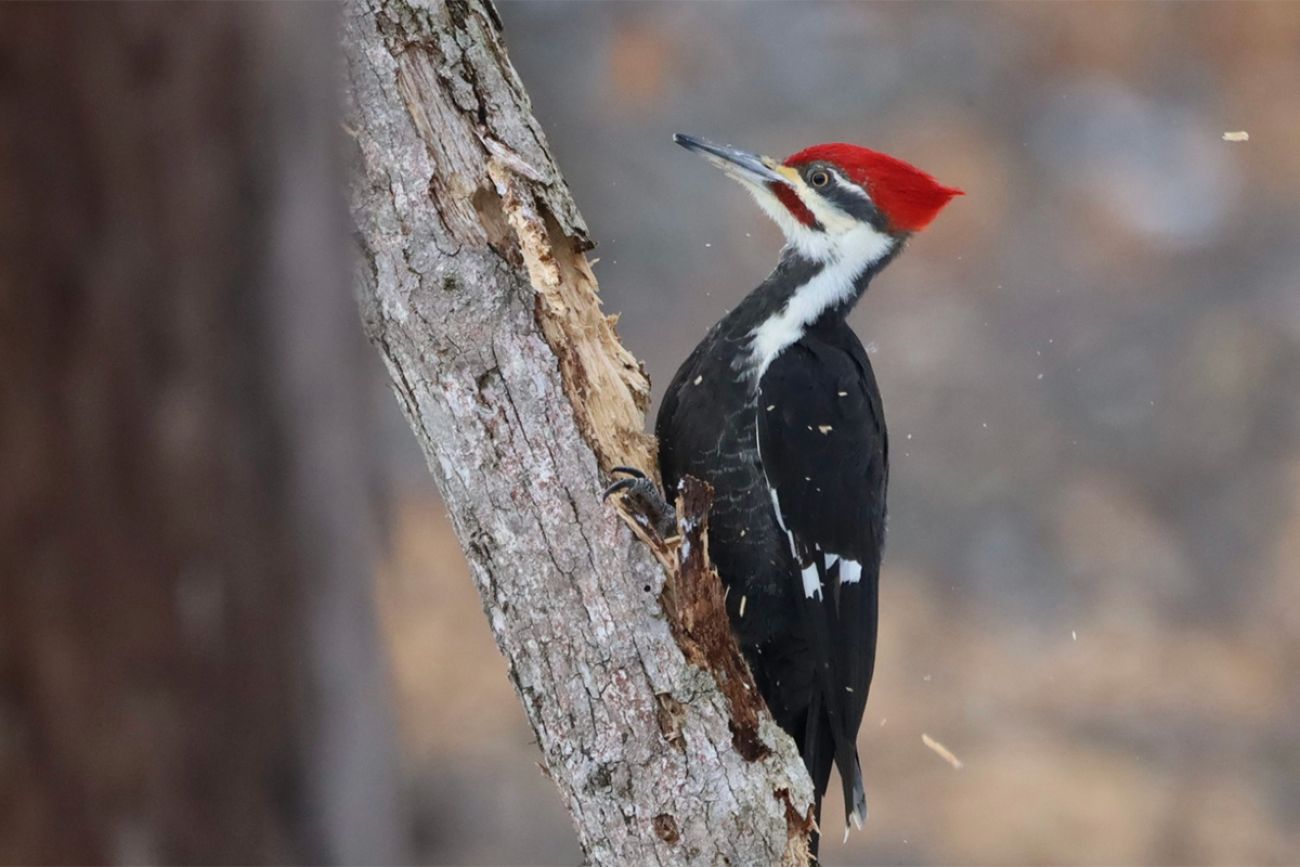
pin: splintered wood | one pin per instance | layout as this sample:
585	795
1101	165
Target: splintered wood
476	290
607	386
696	605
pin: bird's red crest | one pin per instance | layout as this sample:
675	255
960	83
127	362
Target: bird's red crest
909	197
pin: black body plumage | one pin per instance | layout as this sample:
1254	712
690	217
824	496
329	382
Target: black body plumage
796	450
778	410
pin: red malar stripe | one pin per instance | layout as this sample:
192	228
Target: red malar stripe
793	204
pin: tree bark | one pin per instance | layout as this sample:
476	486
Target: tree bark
475	288
189	663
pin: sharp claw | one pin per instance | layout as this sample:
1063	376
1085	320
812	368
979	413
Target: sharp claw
652	506
620	485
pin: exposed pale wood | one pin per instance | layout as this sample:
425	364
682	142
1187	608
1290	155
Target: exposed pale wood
475	288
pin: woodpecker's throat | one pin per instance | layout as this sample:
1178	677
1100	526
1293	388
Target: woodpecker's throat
836	239
831	284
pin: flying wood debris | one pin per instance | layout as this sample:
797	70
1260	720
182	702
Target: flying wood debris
942	751
1240	135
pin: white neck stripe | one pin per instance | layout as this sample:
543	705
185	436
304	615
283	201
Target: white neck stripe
858	250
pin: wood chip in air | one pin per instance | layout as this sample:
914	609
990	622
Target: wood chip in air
942	751
1239	135
824	428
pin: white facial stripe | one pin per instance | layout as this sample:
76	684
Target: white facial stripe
850	188
814	244
833	220
856	251
818	244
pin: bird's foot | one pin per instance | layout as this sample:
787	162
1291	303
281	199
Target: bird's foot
644	499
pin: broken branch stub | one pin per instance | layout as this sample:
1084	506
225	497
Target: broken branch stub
696	606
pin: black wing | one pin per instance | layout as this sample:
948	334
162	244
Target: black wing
823	447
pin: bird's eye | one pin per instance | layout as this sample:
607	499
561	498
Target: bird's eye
819	178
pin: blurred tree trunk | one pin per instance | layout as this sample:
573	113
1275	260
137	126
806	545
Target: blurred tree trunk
189	666
477	293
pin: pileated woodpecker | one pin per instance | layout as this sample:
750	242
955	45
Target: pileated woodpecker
778	410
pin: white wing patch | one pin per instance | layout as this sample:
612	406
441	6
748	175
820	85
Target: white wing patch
850	571
812	585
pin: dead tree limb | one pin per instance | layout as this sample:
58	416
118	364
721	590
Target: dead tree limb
477	292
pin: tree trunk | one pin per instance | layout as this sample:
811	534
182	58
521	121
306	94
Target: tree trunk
189	666
476	290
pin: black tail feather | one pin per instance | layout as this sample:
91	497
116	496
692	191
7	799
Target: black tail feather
855	796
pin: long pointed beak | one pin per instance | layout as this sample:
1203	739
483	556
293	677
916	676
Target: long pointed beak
741	165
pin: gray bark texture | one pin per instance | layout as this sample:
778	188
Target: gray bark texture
475	288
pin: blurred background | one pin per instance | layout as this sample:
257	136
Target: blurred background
1092	588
